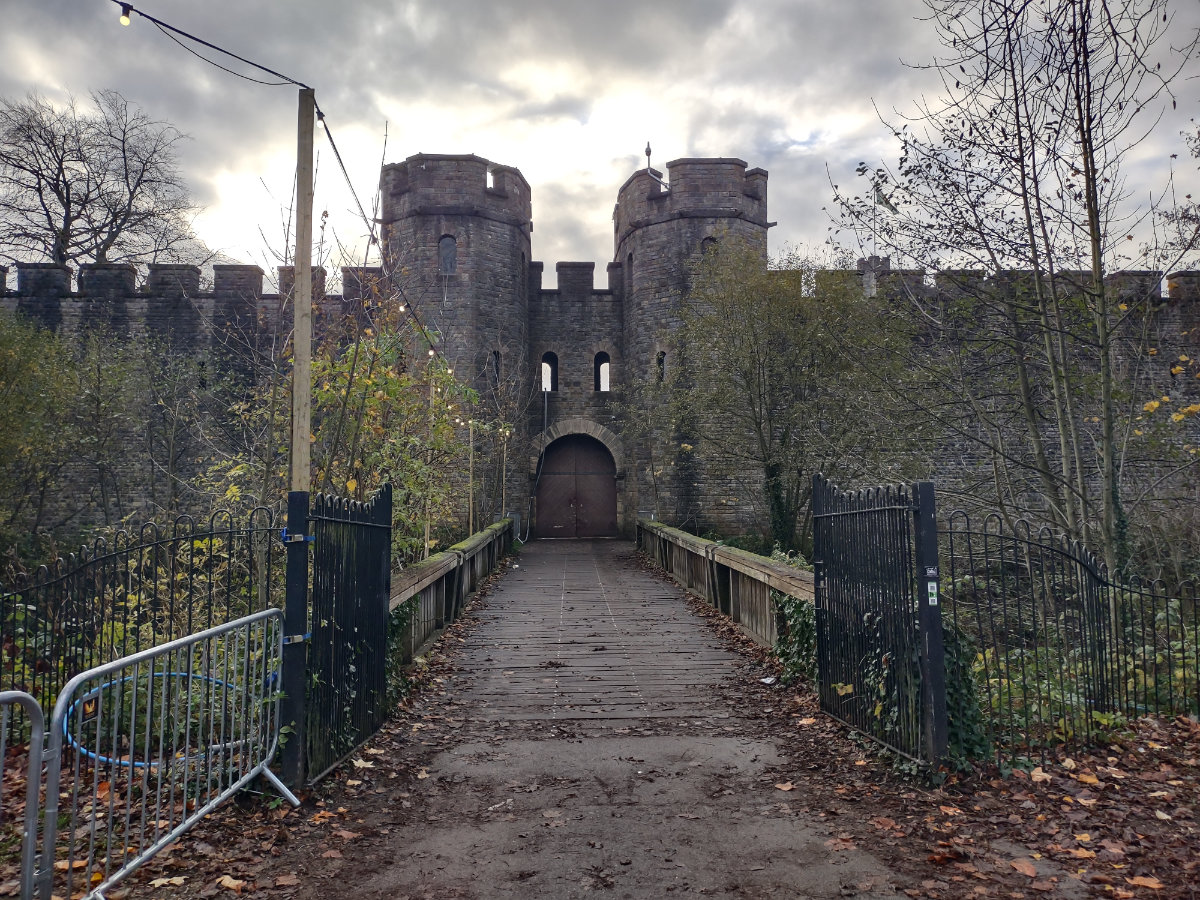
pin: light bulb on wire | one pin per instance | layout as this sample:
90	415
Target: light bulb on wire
126	9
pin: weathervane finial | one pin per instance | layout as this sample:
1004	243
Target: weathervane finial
647	154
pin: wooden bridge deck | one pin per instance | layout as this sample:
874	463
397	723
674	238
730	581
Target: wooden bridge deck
596	744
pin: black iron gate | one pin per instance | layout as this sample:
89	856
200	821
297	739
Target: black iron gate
347	652
879	635
335	649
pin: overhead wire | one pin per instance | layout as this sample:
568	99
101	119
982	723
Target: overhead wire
175	34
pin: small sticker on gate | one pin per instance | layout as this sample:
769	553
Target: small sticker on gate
931	572
933	593
91	709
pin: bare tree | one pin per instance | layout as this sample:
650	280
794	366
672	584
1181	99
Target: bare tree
1012	189
91	186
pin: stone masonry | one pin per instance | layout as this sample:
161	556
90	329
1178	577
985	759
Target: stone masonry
456	237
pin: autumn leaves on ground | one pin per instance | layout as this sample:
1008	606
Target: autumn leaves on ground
1119	821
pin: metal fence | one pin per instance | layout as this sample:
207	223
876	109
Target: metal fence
879	649
347	659
142	748
1058	652
136	590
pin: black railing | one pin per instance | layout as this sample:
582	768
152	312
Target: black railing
139	589
879	651
1058	652
347	659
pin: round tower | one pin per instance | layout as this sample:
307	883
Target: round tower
660	230
455	232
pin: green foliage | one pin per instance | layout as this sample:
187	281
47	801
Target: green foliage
382	411
398	650
775	384
35	394
967	733
796	648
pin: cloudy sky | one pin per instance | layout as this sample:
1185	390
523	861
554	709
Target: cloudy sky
568	91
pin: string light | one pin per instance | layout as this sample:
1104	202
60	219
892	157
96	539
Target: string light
127	9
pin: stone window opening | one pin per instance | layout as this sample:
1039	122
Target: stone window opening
549	371
447	254
602	369
660	366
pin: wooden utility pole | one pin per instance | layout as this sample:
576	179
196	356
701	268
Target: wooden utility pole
302	309
295	609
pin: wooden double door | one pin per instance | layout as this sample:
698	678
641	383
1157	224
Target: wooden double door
577	490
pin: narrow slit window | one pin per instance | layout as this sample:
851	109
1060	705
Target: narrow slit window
660	366
448	254
494	370
602	367
549	371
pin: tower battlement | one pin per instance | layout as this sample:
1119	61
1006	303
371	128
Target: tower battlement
454	185
696	188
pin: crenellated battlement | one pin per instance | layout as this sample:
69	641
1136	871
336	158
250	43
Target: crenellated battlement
446	184
696	188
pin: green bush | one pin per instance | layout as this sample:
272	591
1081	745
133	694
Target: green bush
796	648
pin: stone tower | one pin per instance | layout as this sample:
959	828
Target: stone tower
455	233
660	230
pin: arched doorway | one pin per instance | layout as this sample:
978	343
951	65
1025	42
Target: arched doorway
577	490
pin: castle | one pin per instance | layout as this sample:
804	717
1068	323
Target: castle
456	242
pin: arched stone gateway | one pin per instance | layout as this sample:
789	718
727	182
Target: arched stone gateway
576	490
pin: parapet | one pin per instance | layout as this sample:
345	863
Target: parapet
287	281
107	279
174	281
246	281
696	188
361	282
1183	285
43	280
576	280
460	185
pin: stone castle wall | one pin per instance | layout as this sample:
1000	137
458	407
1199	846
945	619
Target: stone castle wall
456	249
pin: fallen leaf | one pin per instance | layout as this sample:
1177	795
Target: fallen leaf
230	883
352	782
289	880
1162	815
950	810
1068	764
1087	778
1038	776
332	854
1082	853
807	720
163	882
363	764
786	786
347	835
423	774
375	751
1146	881
1025	867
